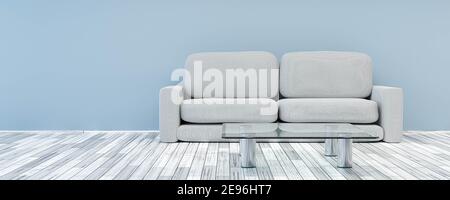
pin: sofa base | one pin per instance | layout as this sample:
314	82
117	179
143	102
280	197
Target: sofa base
213	133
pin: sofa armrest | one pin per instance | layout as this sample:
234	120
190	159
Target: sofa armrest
390	106
170	99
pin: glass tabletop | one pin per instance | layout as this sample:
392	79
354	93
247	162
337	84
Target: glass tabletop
293	131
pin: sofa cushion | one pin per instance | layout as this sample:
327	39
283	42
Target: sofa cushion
216	110
349	110
232	75
325	74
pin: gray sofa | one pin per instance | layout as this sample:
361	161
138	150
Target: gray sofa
307	87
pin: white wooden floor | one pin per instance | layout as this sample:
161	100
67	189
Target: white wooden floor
140	155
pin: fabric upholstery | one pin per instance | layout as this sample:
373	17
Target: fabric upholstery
348	110
259	65
317	87
325	74
390	104
169	112
215	110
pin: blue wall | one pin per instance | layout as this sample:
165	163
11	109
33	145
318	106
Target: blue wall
84	64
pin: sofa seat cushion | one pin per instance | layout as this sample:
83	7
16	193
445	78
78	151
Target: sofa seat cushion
345	110
218	110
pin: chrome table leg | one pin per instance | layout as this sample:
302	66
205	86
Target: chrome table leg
330	147
247	151
344	158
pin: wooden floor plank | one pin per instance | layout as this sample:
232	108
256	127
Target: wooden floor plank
274	165
182	170
210	163
361	170
385	171
236	172
148	163
354	173
321	160
128	157
262	168
299	164
287	165
172	164
196	169
108	159
223	160
34	158
310	162
73	160
159	165
132	155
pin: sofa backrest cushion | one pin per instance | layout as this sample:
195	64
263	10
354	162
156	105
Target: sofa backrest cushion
324	74
232	75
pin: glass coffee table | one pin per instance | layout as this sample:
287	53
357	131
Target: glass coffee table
338	137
